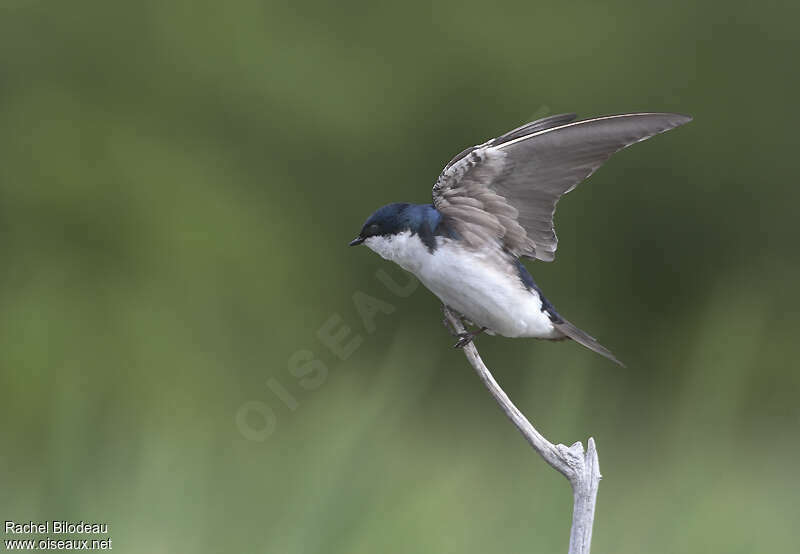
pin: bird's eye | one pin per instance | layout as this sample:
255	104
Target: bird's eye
373	229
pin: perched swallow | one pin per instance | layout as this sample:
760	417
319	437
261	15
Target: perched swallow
494	204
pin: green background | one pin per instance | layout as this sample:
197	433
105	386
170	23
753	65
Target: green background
178	181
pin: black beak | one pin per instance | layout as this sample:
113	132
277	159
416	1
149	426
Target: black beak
356	241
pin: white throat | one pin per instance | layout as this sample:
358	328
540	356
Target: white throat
404	249
481	285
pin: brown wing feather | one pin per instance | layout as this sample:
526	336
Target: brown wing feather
505	191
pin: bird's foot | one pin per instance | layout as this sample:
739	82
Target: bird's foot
447	325
464	339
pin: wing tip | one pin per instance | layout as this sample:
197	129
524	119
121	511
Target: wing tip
673	119
680	118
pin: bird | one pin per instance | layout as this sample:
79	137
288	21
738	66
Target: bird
493	205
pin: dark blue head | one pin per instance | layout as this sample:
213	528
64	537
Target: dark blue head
398	217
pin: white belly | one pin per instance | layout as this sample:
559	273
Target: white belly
487	293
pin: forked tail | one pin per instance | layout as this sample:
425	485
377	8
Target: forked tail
585	339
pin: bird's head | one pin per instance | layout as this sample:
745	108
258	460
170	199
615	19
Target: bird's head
384	223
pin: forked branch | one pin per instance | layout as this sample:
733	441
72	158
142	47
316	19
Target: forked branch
581	469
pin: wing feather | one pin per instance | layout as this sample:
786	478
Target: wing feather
505	191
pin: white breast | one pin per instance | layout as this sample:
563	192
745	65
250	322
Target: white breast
483	287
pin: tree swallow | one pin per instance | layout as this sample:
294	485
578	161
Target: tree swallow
494	204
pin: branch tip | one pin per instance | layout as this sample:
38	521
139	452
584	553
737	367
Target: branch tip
580	467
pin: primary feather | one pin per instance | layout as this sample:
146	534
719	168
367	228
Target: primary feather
506	189
494	203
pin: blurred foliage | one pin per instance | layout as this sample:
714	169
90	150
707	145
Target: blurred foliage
178	181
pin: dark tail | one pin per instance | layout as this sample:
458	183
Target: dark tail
585	339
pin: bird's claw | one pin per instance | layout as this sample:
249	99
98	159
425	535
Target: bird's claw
463	340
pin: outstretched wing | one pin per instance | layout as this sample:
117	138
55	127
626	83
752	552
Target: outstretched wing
507	189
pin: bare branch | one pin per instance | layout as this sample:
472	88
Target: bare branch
581	469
